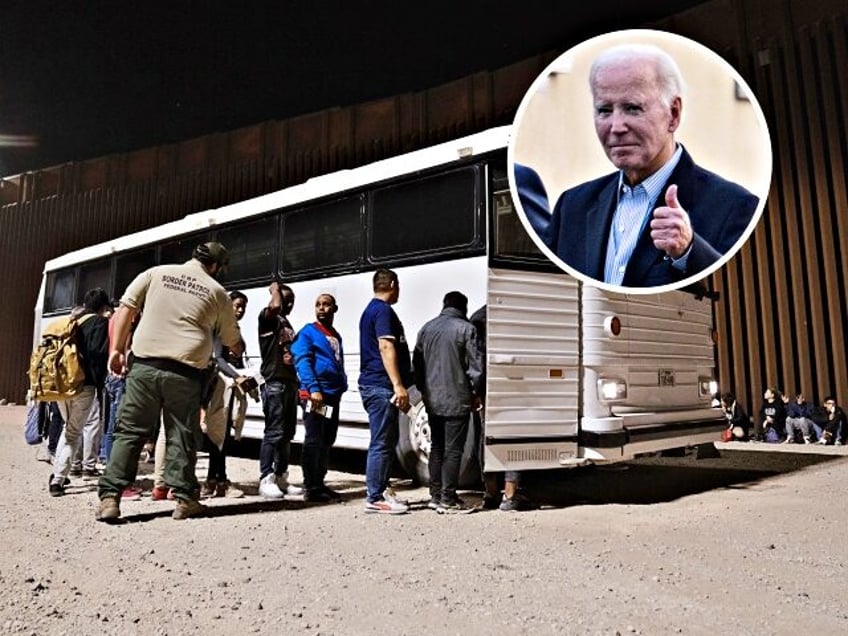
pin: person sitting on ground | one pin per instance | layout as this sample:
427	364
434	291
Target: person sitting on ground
738	422
798	420
772	416
836	426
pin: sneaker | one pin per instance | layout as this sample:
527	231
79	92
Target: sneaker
838	442
287	488
226	489
208	489
389	495
109	509
161	493
91	473
131	494
269	489
822	441
788	440
434	503
56	490
453	507
518	503
386	507
75	472
807	440
188	508
317	496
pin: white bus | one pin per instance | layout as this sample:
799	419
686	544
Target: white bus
575	375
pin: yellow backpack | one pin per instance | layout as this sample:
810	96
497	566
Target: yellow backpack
56	370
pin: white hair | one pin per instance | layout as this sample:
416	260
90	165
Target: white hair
669	78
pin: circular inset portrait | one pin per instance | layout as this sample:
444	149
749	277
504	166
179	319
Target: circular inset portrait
640	161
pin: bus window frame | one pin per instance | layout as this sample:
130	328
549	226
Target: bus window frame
323	271
475	247
274	215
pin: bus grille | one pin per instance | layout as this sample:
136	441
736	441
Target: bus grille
532	455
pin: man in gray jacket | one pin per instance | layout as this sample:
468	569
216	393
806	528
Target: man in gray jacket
448	369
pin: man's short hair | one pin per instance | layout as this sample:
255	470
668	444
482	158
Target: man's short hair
829	398
237	295
383	279
669	77
728	398
96	300
211	252
457	300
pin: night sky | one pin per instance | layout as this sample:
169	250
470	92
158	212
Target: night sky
94	77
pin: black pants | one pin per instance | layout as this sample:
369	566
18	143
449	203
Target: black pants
319	437
447	441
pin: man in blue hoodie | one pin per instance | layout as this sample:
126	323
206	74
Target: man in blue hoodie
319	360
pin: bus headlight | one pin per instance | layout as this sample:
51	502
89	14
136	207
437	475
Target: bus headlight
707	387
611	389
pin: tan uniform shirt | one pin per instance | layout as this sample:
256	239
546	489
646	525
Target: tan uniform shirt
183	307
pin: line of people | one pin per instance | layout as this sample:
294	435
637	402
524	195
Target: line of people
787	420
173	319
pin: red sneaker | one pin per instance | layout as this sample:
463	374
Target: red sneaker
160	493
131	494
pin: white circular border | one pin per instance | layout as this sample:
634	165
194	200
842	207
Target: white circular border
638	34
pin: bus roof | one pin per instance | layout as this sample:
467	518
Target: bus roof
314	188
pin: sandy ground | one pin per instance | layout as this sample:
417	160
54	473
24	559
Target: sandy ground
752	542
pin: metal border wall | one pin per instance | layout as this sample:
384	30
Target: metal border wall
784	297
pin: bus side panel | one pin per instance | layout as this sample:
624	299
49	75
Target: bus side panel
532	370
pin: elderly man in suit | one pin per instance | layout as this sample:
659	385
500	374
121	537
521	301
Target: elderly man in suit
660	218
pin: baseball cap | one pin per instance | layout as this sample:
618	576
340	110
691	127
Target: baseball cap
212	252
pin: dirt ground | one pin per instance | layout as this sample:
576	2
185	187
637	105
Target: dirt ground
752	542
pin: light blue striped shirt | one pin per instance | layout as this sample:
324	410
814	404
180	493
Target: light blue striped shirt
632	213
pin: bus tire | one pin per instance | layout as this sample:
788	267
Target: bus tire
413	449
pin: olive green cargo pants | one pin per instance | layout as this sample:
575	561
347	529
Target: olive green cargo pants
152	393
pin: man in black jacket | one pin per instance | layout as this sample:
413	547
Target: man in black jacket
448	371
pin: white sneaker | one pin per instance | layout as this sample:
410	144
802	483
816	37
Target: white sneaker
268	487
289	489
390	496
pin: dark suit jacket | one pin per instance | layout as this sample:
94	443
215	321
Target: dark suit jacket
533	198
718	210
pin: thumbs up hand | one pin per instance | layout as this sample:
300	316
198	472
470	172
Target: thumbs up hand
671	230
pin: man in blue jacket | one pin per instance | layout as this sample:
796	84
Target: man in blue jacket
319	360
660	218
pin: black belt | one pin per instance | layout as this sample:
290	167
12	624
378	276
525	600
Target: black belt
172	366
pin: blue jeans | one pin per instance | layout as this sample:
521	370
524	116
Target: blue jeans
115	389
383	423
279	403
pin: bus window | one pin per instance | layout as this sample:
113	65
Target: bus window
323	237
95	274
511	239
128	266
180	250
429	215
60	290
252	248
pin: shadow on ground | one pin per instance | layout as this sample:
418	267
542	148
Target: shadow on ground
661	479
